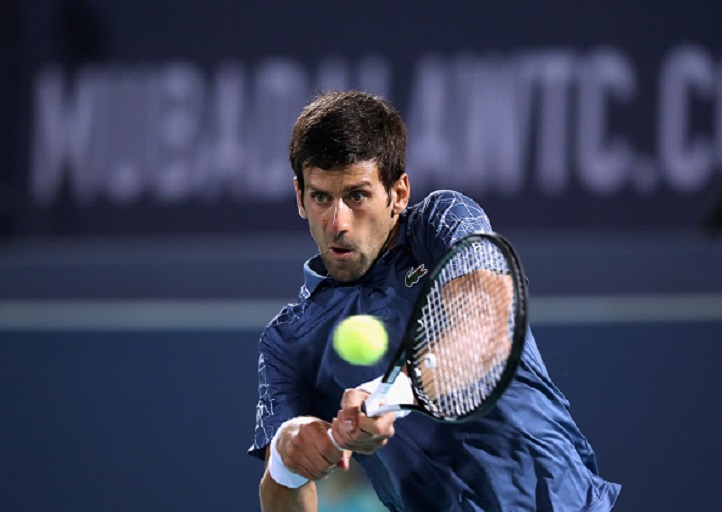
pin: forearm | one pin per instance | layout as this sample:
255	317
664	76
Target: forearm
300	453
278	498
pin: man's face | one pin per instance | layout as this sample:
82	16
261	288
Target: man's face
349	215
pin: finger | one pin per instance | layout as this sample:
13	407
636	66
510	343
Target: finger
304	468
300	461
370	449
381	426
347	440
345	461
312	452
321	465
339	433
367	445
328	446
353	398
344	427
333	439
348	420
372	434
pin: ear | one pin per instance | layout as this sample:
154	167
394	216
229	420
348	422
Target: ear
299	199
400	193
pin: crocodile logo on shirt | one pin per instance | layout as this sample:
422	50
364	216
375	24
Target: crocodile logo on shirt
414	275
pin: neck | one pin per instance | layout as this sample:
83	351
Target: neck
391	240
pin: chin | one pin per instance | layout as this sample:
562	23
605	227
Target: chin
345	275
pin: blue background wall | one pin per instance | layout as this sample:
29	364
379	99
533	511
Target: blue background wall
161	421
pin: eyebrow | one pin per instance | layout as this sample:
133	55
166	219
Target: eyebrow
346	190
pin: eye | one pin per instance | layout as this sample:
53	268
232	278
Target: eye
358	196
319	197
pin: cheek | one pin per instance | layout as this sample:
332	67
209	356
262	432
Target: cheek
379	229
315	224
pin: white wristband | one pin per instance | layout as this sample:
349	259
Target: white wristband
279	472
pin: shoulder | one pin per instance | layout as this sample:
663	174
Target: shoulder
292	313
288	318
289	314
442	218
444	207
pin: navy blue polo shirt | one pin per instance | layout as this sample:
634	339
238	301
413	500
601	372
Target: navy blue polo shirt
525	454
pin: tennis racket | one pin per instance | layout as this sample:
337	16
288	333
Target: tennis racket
466	335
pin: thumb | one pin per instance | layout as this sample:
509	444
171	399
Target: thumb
353	398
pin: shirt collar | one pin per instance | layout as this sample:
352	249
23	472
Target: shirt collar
314	273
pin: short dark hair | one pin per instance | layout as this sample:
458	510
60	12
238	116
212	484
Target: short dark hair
338	129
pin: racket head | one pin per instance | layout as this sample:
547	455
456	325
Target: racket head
466	335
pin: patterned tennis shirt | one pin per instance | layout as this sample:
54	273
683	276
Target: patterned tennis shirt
526	454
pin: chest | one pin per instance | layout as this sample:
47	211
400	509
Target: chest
390	296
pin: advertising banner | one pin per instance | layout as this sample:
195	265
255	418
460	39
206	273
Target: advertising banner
164	117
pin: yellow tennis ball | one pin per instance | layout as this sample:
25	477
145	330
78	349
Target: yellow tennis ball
360	340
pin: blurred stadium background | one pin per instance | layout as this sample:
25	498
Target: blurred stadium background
148	230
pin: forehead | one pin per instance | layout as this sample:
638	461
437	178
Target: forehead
358	173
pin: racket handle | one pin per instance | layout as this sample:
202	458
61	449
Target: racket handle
394	396
371	405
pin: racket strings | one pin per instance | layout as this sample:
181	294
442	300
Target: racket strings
464	334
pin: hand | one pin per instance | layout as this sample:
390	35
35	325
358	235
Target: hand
355	431
305	449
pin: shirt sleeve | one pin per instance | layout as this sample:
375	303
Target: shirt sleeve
280	395
442	219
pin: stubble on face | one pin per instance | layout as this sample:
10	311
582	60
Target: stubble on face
352	269
357	265
349	246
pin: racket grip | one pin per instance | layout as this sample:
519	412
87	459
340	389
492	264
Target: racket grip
396	396
371	405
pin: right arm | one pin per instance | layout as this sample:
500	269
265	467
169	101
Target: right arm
306	450
276	497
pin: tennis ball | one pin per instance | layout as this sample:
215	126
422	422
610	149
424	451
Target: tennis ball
360	340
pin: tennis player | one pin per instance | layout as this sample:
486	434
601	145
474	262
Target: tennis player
348	153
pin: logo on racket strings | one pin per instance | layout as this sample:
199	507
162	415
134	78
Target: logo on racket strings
414	275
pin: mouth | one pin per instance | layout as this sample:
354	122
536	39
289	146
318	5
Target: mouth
341	252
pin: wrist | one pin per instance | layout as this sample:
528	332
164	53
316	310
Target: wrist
278	470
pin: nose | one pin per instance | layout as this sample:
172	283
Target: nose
341	221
